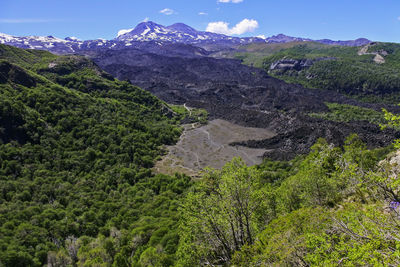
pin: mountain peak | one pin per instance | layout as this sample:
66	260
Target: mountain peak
182	27
177	33
150	24
142	29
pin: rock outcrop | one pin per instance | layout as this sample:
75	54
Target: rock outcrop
294	64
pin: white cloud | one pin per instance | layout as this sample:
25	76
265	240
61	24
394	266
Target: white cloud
230	1
203	14
167	11
246	25
146	19
218	27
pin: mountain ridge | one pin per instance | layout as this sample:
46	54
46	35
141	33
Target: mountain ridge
151	31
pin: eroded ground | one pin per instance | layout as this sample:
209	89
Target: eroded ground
208	146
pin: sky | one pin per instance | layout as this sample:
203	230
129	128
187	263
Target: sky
316	19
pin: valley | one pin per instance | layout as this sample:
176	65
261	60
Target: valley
244	95
169	146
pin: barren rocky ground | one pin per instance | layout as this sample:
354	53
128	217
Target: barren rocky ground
209	146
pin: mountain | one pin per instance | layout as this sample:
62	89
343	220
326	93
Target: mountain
143	32
281	38
357	42
153	32
180	33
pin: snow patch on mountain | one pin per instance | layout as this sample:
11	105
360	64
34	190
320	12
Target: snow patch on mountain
123	31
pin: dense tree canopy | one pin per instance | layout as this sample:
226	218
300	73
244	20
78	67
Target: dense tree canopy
76	148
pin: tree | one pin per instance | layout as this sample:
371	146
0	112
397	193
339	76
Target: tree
222	214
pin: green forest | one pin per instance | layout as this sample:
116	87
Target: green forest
346	71
77	149
343	70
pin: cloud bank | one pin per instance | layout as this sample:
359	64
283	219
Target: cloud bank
246	25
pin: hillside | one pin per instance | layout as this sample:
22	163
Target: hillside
367	71
246	96
334	207
76	148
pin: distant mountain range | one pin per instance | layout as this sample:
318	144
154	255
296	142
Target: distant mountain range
150	31
281	38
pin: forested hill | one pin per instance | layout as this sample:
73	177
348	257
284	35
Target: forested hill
367	70
372	69
76	148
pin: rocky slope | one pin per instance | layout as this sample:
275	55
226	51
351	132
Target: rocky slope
230	90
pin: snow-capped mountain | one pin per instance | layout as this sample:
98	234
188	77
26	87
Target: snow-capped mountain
52	44
35	42
156	34
144	32
179	33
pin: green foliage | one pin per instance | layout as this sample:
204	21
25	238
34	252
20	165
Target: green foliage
326	209
75	156
315	182
283	241
275	172
254	54
393	121
347	113
345	72
223	213
76	187
190	114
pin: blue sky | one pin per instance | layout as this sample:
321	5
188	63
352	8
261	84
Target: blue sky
91	19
